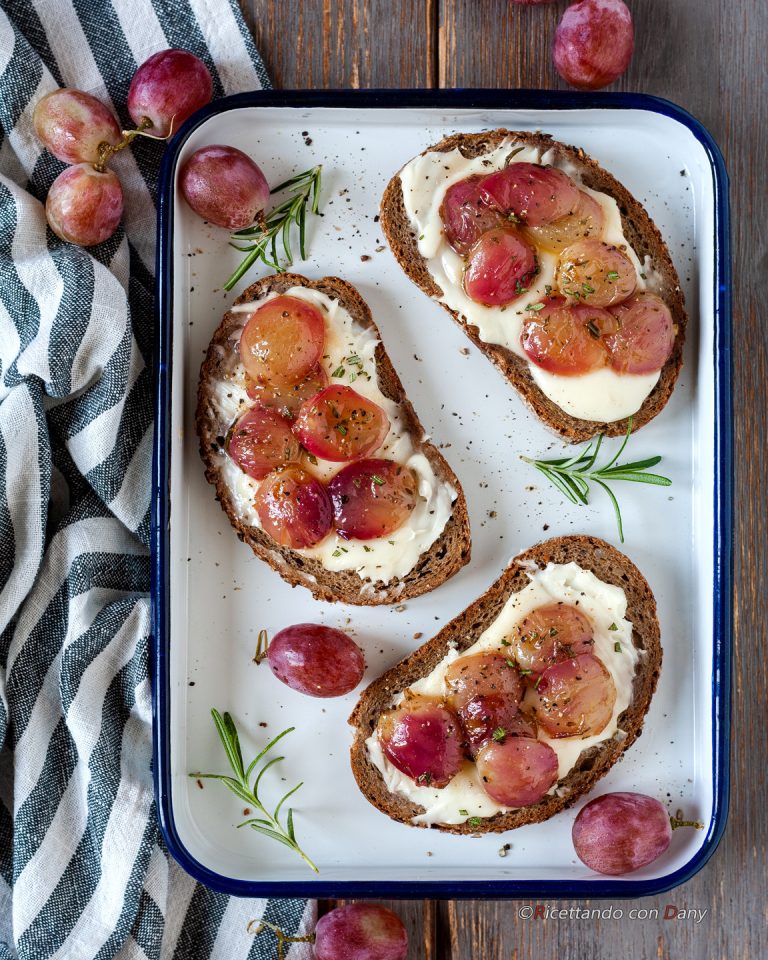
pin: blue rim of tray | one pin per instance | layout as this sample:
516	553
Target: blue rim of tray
722	612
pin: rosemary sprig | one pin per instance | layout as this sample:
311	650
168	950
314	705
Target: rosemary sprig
259	242
269	823
572	476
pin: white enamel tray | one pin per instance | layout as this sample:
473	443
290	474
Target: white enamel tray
212	595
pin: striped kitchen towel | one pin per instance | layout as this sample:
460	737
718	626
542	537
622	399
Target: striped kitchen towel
83	871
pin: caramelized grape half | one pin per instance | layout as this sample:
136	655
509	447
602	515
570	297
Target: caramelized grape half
282	341
339	424
287	398
465	217
645	336
573	698
421	739
534	194
518	771
584	220
548	634
294	508
499	267
595	273
372	498
567	340
260	441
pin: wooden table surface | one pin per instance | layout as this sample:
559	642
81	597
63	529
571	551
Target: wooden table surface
709	57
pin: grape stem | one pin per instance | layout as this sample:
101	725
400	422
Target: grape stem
282	939
573	475
262	647
678	821
268	823
106	150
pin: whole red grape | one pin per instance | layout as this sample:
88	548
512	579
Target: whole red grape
621	832
168	88
84	206
223	185
317	660
594	43
360	931
72	125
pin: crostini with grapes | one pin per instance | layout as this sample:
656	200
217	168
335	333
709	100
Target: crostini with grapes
551	267
317	456
522	702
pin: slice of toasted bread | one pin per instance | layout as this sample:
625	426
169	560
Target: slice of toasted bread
447	554
590	553
639	230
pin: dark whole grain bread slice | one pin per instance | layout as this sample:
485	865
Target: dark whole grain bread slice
448	553
609	565
639	230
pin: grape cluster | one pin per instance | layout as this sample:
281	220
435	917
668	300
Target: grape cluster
85	202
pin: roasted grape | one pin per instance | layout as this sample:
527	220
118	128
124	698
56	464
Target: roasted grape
287	398
499	267
573	698
84	206
518	771
465	217
294	508
339	424
567	340
282	341
621	832
73	125
595	273
594	43
584	220
490	717
548	634
316	660
421	739
532	193
482	674
168	88
224	186
260	441
645	335
372	498
360	931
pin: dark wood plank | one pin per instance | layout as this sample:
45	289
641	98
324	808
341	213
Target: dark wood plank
346	43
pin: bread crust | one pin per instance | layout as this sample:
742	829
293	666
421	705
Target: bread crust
609	565
447	555
640	231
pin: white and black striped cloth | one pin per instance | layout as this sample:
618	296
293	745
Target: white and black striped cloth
83	872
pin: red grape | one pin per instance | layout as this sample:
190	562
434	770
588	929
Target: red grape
499	267
360	931
168	88
596	273
489	717
584	220
262	440
316	660
372	498
594	43
621	832
421	739
338	424
294	508
224	186
84	206
465	217
567	340
531	3
535	194
551	633
287	398
72	125
282	341
645	335
518	771
574	698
